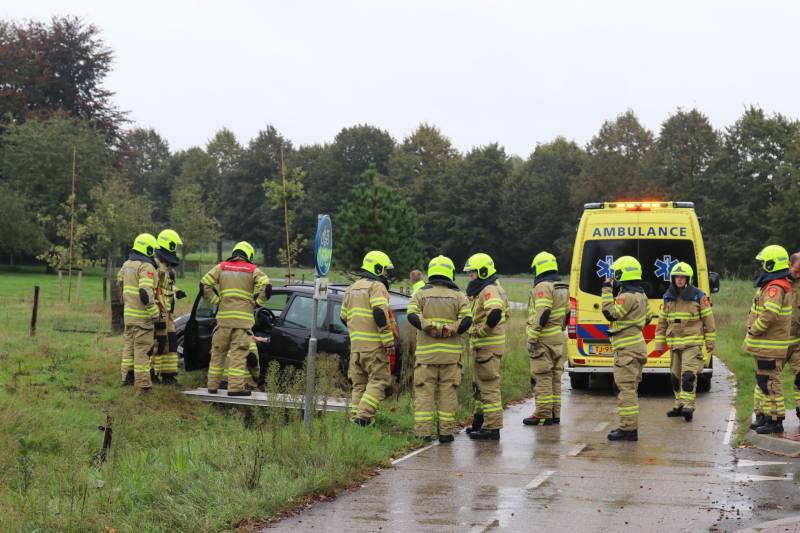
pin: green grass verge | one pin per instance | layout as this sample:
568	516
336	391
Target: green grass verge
175	464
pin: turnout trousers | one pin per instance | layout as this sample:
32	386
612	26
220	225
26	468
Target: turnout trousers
627	376
770	388
685	368
486	388
432	381
547	367
136	349
371	375
229	346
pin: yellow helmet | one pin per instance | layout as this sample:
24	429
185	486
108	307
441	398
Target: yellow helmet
246	248
682	269
442	266
169	240
481	263
377	262
627	268
544	262
145	244
773	258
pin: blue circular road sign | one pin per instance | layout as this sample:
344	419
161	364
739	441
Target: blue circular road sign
323	245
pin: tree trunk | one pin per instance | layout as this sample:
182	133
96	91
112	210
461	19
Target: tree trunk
219	251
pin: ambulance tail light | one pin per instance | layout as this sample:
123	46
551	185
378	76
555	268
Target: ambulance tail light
572	325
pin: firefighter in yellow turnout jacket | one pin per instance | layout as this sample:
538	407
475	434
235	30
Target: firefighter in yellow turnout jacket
441	312
166	356
768	336
793	355
628	314
239	287
547	314
365	311
685	324
487	337
137	278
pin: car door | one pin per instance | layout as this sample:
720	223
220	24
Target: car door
198	333
290	336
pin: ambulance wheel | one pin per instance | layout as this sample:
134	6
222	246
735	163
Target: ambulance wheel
704	383
579	381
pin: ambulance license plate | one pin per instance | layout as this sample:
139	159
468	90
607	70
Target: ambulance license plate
597	349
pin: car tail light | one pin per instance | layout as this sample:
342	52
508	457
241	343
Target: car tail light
579	361
572	326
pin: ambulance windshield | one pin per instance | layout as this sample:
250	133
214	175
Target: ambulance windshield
657	257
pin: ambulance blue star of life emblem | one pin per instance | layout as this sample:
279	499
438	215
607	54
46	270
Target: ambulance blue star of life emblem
664	266
604	267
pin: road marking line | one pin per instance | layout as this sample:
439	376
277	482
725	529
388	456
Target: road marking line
576	450
742	478
412	454
745	463
601	426
729	430
538	480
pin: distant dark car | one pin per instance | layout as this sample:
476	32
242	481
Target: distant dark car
285	325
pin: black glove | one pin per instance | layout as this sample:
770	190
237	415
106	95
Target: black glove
160	324
252	360
608	283
180	295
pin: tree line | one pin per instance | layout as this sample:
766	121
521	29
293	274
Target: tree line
413	197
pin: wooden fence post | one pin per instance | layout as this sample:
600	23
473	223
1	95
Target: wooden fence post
35	311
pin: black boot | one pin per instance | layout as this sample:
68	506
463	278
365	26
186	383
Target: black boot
212	391
621	434
477	423
485	434
536	421
240	393
129	379
556	420
688	414
761	419
169	379
154	377
444	439
771	426
361	422
675	412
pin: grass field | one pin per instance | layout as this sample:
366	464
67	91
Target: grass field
175	464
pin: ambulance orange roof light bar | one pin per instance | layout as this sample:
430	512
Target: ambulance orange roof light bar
638	206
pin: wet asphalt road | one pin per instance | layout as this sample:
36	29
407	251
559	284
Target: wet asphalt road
679	476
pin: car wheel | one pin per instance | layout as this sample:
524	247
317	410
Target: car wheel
579	381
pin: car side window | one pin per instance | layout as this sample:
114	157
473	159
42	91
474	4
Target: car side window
277	302
337	326
205	309
299	312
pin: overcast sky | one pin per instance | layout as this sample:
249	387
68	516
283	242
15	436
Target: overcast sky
515	72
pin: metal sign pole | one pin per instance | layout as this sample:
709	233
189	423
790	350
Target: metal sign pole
323	246
311	363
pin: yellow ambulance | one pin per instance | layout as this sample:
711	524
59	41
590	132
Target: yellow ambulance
659	234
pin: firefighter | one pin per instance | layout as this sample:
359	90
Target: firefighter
137	278
166	356
793	355
547	315
628	314
768	339
415	277
488	341
441	312
685	324
238	286
365	311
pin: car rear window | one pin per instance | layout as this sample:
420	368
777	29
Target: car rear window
299	312
657	257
